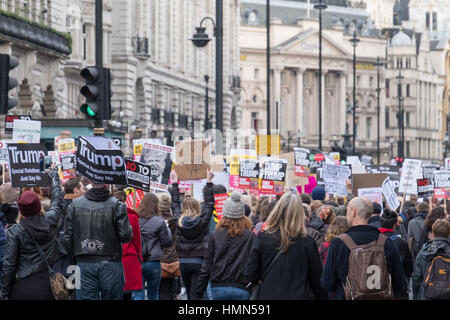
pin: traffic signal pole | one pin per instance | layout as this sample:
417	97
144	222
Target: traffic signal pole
99	130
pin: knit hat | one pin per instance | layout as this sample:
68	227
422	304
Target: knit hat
164	203
29	203
233	207
318	193
326	213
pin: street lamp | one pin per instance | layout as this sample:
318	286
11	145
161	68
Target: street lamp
320	6
378	64
354	40
201	39
206	104
401	130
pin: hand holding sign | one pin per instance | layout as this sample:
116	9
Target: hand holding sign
210	176
174	177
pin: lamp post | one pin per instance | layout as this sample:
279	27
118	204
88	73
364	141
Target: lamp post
268	65
206	104
320	6
391	142
354	40
401	131
201	39
378	64
347	145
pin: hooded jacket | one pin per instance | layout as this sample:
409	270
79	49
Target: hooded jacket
415	228
430	249
21	256
155	236
192	235
316	229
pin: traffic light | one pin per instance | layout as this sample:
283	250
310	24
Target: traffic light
7	63
399	161
97	92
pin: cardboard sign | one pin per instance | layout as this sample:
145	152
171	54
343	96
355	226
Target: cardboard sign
25	166
160	159
220	200
66	145
411	171
425	188
138	175
374	194
292	179
335	178
442	179
192	158
9	121
100	160
248	174
390	195
367	180
28	131
273	176
3	152
301	162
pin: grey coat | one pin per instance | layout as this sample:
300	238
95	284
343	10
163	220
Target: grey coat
155	236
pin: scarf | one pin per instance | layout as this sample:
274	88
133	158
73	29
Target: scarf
98	194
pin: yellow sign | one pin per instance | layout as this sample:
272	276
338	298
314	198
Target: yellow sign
65	145
364	66
138	149
236	155
268	145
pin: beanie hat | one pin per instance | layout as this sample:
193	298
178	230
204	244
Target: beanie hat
164	203
318	193
326	213
29	203
376	208
233	207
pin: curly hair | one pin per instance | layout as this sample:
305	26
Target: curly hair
234	227
337	227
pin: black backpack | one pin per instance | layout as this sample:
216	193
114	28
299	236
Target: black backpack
437	279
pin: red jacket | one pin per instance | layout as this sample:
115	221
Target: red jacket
130	261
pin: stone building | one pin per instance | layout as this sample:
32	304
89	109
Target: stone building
294	74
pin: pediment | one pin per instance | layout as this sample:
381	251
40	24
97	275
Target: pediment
308	43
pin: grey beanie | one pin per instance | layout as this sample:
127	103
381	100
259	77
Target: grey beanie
233	207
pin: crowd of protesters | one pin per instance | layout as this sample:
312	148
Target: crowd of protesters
294	246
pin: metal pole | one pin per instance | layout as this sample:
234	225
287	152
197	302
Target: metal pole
268	65
206	104
354	98
276	115
219	65
99	44
378	110
320	79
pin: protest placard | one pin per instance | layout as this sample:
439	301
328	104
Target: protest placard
442	179
440	193
316	159
425	188
134	197
9	121
159	158
25	165
138	144
368	180
220	200
411	171
390	195
28	131
374	194
100	160
3	153
138	175
429	170
273	175
335	178
447	163
248	174
66	145
222	178
192	159
301	162
235	156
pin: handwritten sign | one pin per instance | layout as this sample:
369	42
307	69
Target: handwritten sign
390	195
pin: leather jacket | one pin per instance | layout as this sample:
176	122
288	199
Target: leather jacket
95	229
22	259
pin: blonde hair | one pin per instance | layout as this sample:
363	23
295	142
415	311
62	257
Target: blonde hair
190	208
337	227
287	218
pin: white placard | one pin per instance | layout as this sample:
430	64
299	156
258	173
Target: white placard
26	131
447	163
389	194
374	194
411	171
335	178
222	178
3	152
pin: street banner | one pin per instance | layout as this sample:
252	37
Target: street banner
390	195
25	165
220	200
447	163
374	194
411	171
235	156
301	162
192	159
442	179
100	160
425	188
9	121
3	153
335	178
28	131
138	175
273	175
248	174
160	159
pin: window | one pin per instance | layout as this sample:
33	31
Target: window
386	117
255	98
255	123
387	88
408	149
256	75
358	81
368	127
371	82
408	119
427	20
84	41
407	90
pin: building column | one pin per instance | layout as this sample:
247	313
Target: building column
342	106
299	126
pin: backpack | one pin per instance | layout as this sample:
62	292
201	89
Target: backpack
368	277
437	280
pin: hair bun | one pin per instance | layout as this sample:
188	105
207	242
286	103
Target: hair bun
235	196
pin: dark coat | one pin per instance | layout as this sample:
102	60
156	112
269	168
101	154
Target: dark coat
375	221
170	253
225	260
296	273
403	249
192	235
336	268
156	236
